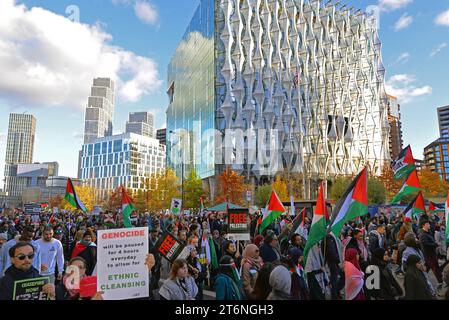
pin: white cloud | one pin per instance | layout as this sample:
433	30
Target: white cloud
48	60
404	21
400	86
443	19
438	49
404	57
146	12
391	5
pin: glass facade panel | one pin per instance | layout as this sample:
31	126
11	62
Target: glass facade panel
118	145
191	79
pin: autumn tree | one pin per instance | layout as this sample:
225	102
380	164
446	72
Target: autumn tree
432	184
140	201
281	189
87	196
232	187
56	201
114	200
392	186
376	190
262	195
193	191
164	187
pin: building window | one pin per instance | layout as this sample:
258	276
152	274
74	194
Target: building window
104	148
121	157
116	158
97	149
125	147
110	158
104	160
117	145
97	172
114	171
89	150
95	161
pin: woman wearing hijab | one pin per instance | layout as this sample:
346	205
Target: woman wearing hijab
354	277
251	264
227	283
389	287
179	286
412	248
262	287
230	249
415	282
280	282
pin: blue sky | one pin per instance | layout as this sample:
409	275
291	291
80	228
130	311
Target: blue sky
136	46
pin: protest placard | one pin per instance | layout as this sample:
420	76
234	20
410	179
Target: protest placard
238	224
30	289
175	206
171	248
121	270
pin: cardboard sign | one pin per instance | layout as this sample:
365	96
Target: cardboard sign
121	270
176	205
171	248
238	224
30	289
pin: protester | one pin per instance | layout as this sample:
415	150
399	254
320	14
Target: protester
262	286
377	238
317	278
354	277
231	250
196	270
411	248
26	236
416	284
280	282
21	268
428	248
299	290
179	285
251	264
87	250
269	251
52	255
3	239
227	283
389	287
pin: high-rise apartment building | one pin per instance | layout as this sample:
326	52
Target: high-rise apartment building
266	86
443	121
141	123
19	149
394	119
99	110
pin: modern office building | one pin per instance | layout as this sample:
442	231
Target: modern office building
161	135
19	149
141	123
394	119
420	164
126	159
443	121
436	157
100	110
53	186
277	85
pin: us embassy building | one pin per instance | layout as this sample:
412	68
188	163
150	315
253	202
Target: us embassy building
270	86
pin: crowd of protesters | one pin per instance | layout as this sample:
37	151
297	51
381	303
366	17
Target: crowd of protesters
271	266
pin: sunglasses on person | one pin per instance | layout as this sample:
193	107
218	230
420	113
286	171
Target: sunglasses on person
22	257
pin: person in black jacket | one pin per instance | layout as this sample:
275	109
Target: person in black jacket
332	258
21	254
269	251
377	238
429	250
415	282
156	270
389	288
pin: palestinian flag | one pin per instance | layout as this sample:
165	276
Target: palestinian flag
404	164
433	208
208	244
415	207
446	210
410	185
127	209
274	210
353	204
201	206
72	198
319	223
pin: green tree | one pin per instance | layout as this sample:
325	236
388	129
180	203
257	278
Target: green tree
165	186
262	195
377	194
140	201
193	191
